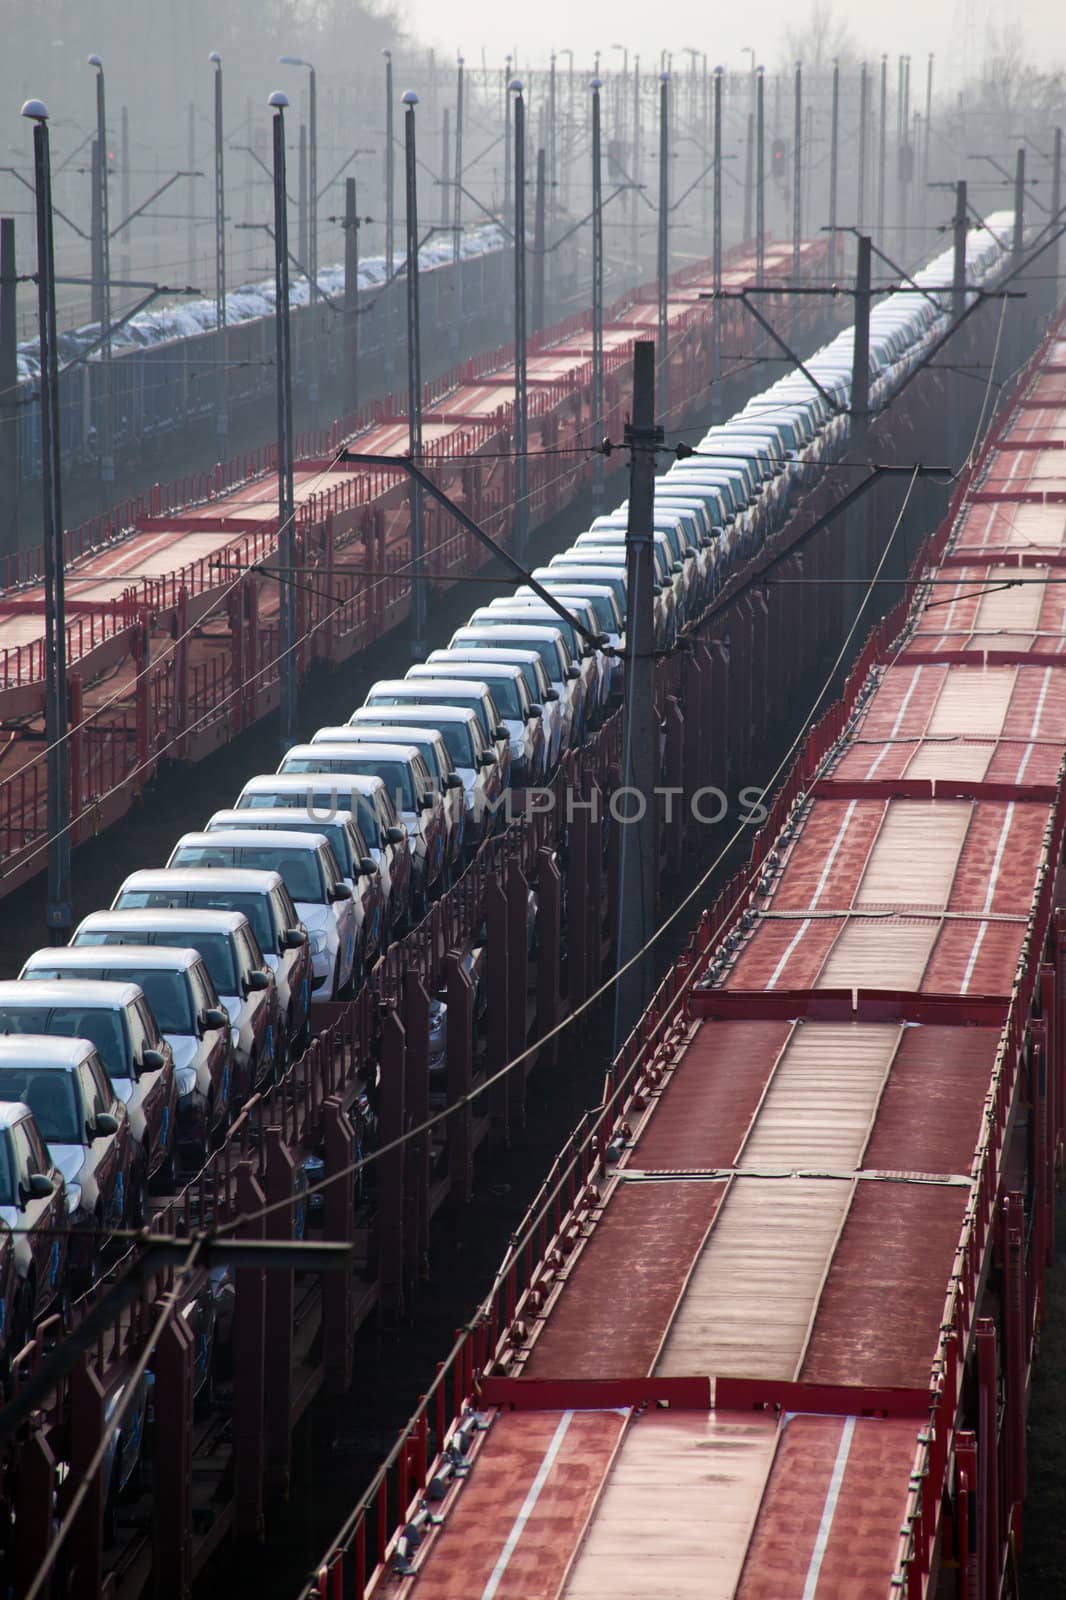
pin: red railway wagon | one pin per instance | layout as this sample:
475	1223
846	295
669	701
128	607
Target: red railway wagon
171	634
767	1330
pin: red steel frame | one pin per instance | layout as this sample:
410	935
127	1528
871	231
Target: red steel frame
967	1473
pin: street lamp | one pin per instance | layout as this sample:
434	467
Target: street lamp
278	103
102	272
414	381
312	221
221	404
55	632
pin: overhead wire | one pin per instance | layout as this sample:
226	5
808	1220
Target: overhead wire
608	984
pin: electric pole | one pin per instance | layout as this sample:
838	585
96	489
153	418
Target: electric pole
286	500
797	173
521	389
539	240
664	240
597	299
9	411
414	383
351	294
860	200
222	388
882	148
760	177
716	246
960	226
834	157
638	835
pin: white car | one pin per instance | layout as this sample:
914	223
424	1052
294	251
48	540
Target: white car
512	700
309	868
434	753
471	756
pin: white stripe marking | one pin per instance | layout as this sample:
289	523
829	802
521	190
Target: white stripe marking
533	1495
901	713
818	892
832	1495
1036	724
997	862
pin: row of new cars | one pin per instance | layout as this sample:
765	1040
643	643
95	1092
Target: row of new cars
125	1055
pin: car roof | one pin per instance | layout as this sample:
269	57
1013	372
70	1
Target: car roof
364	734
462	685
508	625
409	752
380	713
179	918
210	878
162	957
273	819
43	1050
298	782
91	993
464	672
247	835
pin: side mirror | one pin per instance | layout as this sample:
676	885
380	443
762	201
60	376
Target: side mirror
105	1126
486	759
395	835
573	673
367	866
427	801
453	781
340	891
534	713
677	566
258	980
500	732
691	551
551	694
215	1017
41	1186
152	1060
293	938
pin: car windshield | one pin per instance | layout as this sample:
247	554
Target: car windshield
396	775
214	947
505	694
300	869
50	1094
103	1027
545	649
461	701
167	992
460	745
254	906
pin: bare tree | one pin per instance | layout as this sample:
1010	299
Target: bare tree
822	37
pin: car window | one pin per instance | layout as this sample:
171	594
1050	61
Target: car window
249	954
9	1195
330	869
92	1098
140	1037
505	694
168	998
457	740
283	912
202	990
104	1087
299	868
101	1025
26	1163
51	1095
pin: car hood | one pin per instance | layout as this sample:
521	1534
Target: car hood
69	1158
315	918
184	1047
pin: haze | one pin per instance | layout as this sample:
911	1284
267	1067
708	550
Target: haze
956	30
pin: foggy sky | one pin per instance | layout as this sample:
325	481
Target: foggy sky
956	30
